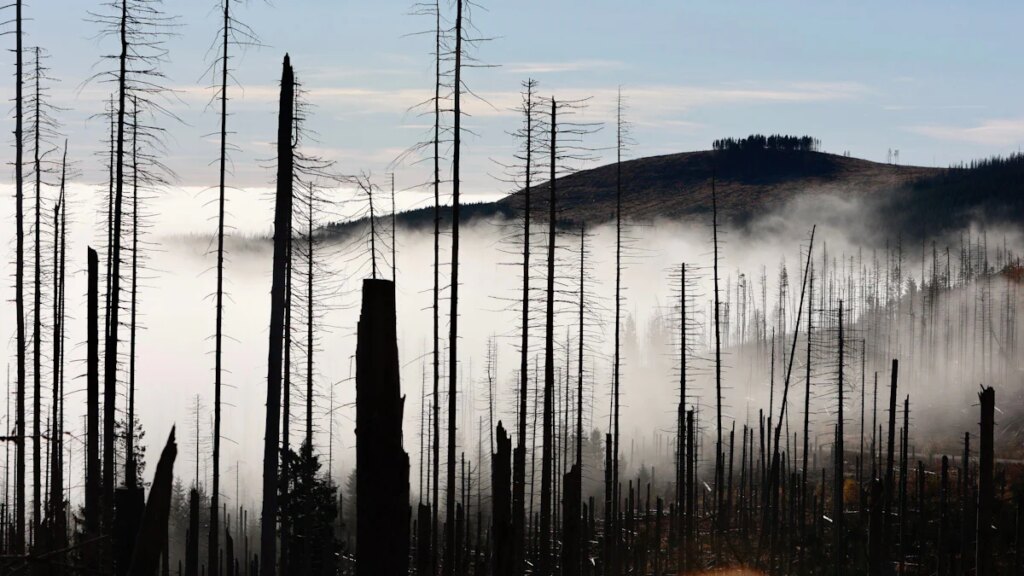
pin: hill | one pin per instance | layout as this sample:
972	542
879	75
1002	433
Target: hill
918	200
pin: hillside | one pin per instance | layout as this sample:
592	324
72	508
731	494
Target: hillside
678	186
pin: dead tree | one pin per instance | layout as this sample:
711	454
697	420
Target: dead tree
774	479
92	457
130	468
435	498
153	529
37	308
807	409
544	551
519	457
621	140
232	33
56	512
140	29
986	487
453	315
890	450
502	559
837	487
18	536
719	502
382	466
282	234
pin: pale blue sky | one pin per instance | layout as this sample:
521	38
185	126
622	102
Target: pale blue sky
938	80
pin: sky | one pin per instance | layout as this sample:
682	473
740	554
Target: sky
932	79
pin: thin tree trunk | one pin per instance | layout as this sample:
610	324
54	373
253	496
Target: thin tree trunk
719	510
519	458
110	350
437	267
37	324
18	540
92	402
890	450
617	359
544	559
213	542
837	495
453	316
309	326
56	497
129	457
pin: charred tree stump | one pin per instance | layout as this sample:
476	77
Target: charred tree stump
151	540
943	541
571	523
192	536
423	525
129	504
501	470
876	531
986	492
382	466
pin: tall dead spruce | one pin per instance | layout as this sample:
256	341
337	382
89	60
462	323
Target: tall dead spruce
282	235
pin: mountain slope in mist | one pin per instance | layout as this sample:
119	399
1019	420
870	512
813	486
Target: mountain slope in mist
678	186
918	200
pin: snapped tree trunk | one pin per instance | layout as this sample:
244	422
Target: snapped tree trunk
501	516
382	466
282	234
986	486
92	401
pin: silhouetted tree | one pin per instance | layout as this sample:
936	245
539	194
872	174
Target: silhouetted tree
282	234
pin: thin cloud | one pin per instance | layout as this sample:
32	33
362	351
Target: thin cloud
560	67
995	132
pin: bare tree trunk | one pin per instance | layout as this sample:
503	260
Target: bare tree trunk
213	543
544	554
37	324
807	412
92	402
56	497
110	349
519	458
890	451
309	327
719	510
18	540
282	234
435	499
838	531
453	316
129	457
617	360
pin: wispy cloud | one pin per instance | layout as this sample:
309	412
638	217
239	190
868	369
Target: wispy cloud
561	67
994	132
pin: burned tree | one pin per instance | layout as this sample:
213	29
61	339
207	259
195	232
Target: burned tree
18	535
232	34
282	234
140	29
382	466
